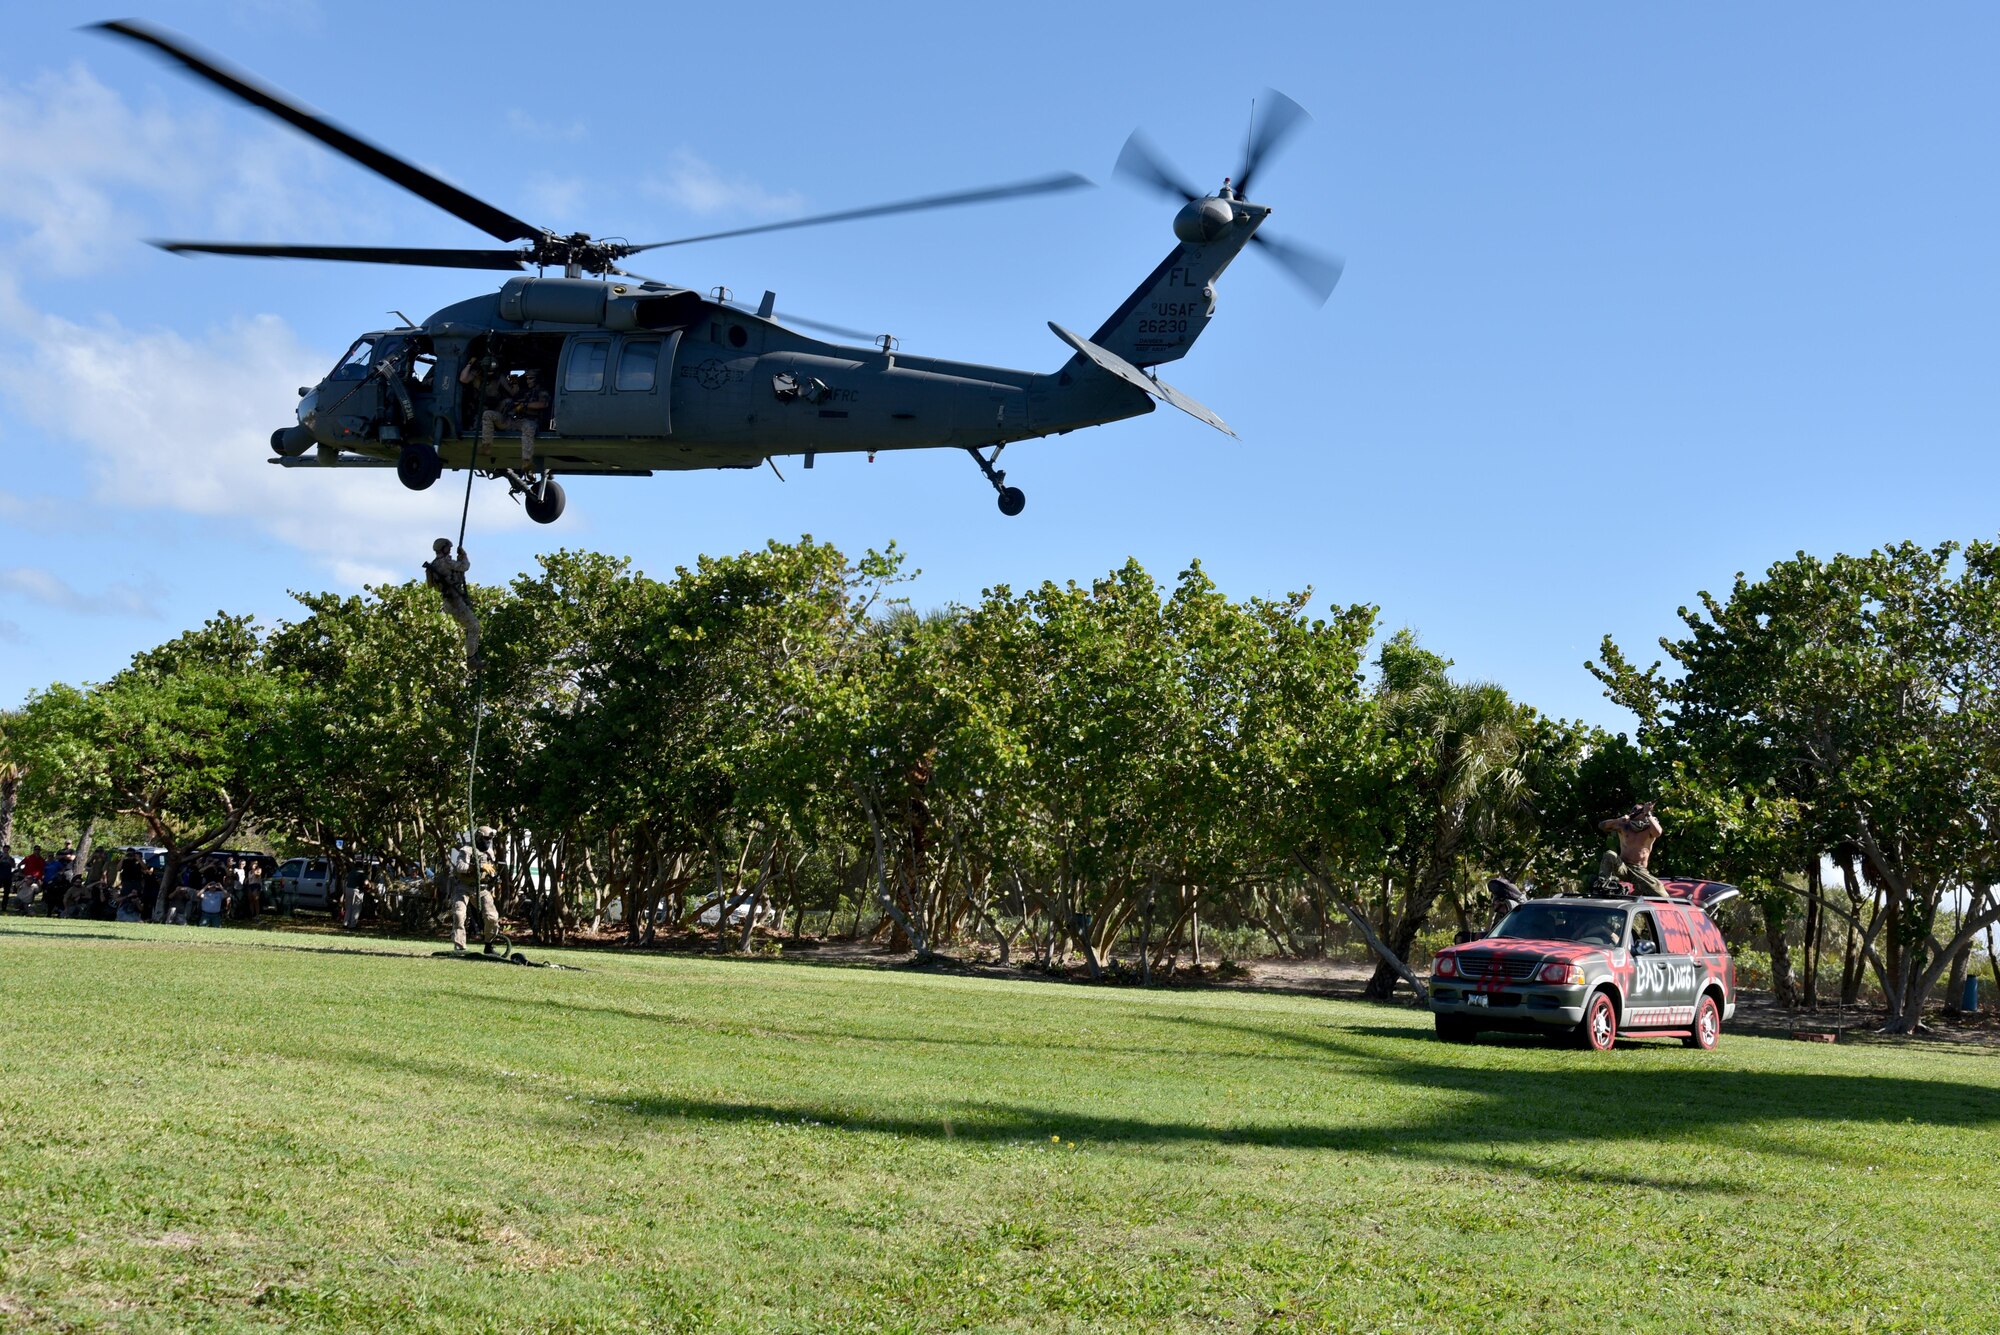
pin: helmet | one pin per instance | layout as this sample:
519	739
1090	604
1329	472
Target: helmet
441	545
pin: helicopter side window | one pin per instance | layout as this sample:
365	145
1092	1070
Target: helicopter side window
354	365
638	363
586	367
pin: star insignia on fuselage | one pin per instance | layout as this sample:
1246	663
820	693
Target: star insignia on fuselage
712	374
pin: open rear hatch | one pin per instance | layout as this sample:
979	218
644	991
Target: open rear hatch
1701	894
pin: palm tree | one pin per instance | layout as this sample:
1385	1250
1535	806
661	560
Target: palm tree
1467	742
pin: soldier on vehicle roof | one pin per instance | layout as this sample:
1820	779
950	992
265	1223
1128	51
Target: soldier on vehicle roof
1636	831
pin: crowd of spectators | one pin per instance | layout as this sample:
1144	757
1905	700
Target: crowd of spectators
123	885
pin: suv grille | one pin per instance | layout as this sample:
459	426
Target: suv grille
1485	964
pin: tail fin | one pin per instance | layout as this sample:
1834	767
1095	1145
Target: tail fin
1165	314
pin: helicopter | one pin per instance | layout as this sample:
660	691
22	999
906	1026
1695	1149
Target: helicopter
643	376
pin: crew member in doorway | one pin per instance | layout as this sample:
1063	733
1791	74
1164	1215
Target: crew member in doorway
524	406
446	574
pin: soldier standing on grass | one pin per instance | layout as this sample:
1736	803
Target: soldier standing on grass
472	873
1636	831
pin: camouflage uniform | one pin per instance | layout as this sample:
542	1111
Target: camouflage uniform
472	872
523	405
447	575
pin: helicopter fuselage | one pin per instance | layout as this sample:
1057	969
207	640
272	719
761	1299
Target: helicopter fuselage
646	379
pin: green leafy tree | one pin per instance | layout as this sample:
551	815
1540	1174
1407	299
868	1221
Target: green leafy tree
1844	703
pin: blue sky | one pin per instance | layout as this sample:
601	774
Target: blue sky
1636	296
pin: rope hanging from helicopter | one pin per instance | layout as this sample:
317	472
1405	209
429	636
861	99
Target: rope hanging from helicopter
478	679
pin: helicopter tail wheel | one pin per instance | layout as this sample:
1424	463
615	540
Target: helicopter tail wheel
418	466
1012	501
544	503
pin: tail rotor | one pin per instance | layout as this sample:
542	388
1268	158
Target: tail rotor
1278	118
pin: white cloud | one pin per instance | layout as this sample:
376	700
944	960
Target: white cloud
39	515
555	201
168	420
698	188
87	175
360	574
48	589
526	126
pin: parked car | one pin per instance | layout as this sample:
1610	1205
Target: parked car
300	883
1592	968
152	855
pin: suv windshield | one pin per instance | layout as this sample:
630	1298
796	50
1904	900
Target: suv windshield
1564	922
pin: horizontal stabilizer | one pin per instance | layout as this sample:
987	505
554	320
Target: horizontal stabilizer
1133	376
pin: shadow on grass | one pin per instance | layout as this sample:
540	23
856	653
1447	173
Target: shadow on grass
848	1031
1588	1119
245	938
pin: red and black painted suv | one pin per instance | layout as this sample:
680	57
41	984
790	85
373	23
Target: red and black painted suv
1651	966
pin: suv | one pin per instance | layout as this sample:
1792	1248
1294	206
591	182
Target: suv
1592	966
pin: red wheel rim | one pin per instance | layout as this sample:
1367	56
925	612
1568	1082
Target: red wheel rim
1603	1022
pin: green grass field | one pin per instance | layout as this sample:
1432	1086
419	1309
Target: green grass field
223	1130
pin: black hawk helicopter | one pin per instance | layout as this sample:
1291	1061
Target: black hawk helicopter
640	375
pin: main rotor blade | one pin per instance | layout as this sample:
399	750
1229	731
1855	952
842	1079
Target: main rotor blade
494	222
434	259
1143	163
1277	117
839	330
802	322
1041	185
1312	270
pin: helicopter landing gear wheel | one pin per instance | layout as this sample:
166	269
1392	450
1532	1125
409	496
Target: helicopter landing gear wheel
418	466
1012	499
544	503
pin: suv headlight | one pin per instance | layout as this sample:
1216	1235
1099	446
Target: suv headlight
1445	967
1562	973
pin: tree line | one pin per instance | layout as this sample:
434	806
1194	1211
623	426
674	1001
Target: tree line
1075	775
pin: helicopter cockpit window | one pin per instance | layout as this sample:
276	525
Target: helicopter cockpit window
355	364
586	367
638	363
